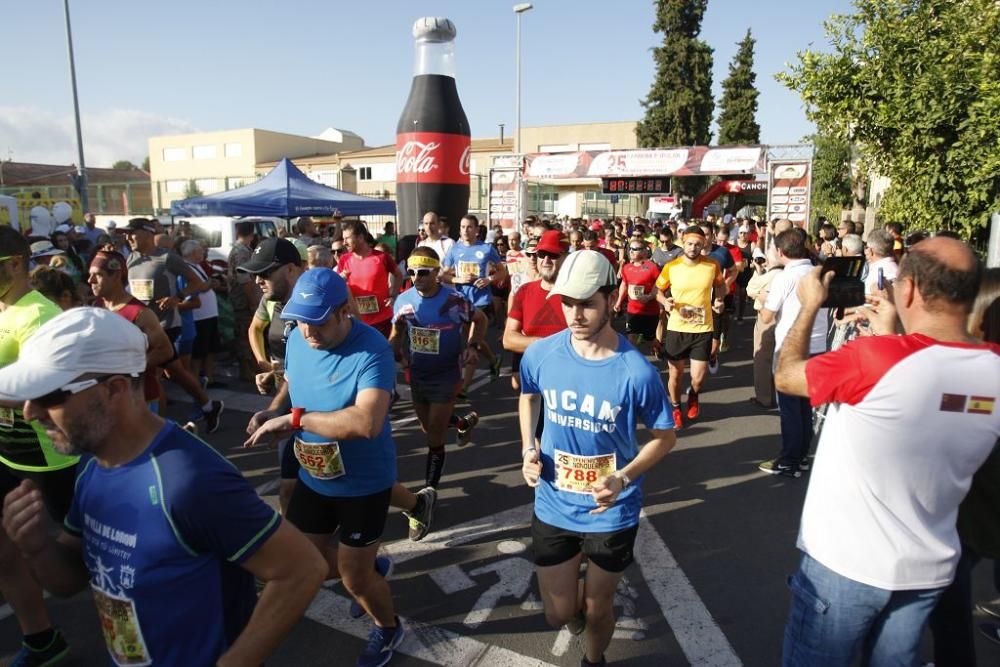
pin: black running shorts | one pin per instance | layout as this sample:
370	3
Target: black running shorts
680	345
57	488
641	325
360	519
612	552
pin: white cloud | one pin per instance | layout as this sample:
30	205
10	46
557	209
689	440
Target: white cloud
34	135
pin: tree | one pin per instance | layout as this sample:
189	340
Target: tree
123	165
738	108
679	105
145	164
915	85
192	190
832	189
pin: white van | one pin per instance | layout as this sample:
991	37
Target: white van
219	232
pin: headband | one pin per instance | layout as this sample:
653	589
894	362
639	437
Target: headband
423	261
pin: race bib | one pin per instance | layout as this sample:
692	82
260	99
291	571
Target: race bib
120	625
578	474
320	459
6	418
367	305
142	289
424	340
468	270
636	291
692	314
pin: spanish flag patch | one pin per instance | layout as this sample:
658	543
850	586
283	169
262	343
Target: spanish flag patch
980	405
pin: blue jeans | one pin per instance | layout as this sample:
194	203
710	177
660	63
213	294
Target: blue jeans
796	428
834	619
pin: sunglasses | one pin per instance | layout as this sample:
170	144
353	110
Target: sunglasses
340	251
266	275
544	254
531	255
420	273
636	249
60	396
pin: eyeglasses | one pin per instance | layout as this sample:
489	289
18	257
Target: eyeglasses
340	251
544	254
531	255
59	396
266	275
636	248
419	273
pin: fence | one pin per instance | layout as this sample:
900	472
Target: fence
104	198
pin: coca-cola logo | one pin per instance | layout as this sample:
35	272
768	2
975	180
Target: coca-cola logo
463	164
416	157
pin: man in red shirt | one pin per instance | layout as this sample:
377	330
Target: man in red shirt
372	276
532	314
638	285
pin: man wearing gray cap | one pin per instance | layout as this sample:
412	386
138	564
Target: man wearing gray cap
587	471
159	520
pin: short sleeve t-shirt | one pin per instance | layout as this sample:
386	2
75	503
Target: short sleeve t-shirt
640	280
368	278
330	380
471	262
592	410
151	278
783	299
691	287
239	255
163	538
278	329
25	445
441	246
662	255
539	315
435	332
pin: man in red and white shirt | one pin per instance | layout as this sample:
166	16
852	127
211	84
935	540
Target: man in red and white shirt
371	275
638	285
911	419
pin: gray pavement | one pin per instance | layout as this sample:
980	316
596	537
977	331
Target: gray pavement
714	548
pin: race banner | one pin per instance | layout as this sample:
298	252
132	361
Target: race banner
504	186
790	191
689	161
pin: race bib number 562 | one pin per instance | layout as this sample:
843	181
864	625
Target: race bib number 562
579	474
320	459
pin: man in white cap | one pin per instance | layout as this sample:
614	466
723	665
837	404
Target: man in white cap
159	520
587	469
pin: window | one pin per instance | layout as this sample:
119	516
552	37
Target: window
174	154
234	150
175	187
207	185
364	173
204	152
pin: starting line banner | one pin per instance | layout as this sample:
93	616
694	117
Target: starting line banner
688	161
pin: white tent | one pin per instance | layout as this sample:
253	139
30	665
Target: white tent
10	205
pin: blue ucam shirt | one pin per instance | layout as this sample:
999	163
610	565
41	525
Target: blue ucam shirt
163	537
435	332
329	380
591	410
472	261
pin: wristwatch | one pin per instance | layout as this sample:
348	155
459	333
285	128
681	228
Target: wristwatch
297	417
624	479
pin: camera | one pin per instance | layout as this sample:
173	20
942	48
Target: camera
847	289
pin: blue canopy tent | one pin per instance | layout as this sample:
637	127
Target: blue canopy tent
285	192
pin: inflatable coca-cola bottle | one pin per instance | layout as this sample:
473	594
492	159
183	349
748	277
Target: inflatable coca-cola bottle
432	138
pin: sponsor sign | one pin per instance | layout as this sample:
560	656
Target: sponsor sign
790	191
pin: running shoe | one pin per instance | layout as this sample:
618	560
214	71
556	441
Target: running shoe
694	407
213	415
678	417
420	522
463	394
578	624
50	655
381	644
806	464
776	467
465	435
383	565
495	367
713	364
191	427
723	343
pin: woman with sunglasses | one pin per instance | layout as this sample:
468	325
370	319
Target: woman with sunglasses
638	286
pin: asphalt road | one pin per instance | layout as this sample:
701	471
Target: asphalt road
714	548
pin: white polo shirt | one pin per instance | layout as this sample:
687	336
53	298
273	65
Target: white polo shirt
783	299
910	421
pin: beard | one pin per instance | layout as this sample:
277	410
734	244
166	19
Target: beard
84	433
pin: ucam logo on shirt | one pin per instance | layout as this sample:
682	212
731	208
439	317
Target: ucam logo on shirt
601	416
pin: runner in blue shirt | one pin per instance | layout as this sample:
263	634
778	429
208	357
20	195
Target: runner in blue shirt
164	529
593	388
340	374
431	326
471	266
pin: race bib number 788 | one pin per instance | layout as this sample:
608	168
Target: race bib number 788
579	474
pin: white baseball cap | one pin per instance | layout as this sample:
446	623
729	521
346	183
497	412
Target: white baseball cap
583	273
77	342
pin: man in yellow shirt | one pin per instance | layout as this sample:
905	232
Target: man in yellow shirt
691	288
27	452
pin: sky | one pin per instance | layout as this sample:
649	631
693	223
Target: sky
300	66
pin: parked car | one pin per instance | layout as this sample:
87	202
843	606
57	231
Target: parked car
219	232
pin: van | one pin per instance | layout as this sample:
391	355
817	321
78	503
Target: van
218	233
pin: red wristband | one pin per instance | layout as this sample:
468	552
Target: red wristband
297	417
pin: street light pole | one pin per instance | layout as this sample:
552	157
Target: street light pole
81	169
518	10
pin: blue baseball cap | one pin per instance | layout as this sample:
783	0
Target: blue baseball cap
316	293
